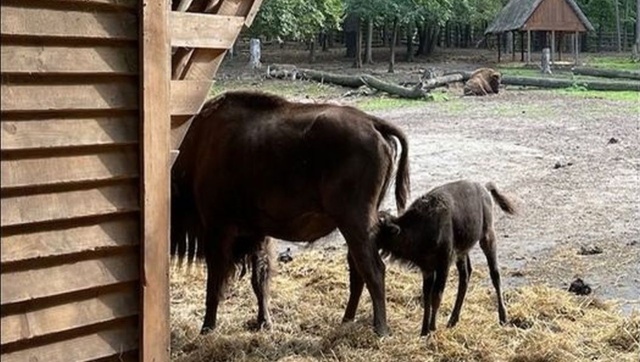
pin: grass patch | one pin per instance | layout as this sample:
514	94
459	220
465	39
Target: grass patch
371	104
626	96
613	62
309	296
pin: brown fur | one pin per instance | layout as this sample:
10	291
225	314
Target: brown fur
483	81
254	165
439	228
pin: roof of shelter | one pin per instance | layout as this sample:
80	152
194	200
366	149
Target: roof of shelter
516	13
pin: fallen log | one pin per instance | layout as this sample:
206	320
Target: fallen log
606	73
412	93
564	83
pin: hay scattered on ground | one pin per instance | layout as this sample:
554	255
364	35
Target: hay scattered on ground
309	295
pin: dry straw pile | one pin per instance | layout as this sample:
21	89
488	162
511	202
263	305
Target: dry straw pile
308	299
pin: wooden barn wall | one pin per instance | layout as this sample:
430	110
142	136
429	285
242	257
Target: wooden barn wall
554	15
70	189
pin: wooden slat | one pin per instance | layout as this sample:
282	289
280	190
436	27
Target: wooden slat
47	133
55	243
252	12
204	30
68	24
22	286
156	117
179	127
64	317
130	4
56	97
85	348
187	97
70	204
111	165
20	59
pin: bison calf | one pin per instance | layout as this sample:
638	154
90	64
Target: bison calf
439	228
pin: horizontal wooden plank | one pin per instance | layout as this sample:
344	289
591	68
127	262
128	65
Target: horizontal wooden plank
68	316
55	243
96	166
187	97
19	59
47	133
204	30
130	4
86	348
32	284
64	97
70	204
17	21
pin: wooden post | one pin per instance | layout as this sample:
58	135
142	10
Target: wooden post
499	46
155	122
576	47
528	46
522	46
513	46
560	43
546	61
553	46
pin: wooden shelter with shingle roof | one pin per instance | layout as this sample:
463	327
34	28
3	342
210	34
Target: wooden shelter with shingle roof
554	17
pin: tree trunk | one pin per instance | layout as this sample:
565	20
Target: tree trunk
358	60
410	31
392	42
385	35
312	51
422	39
330	38
606	73
351	39
433	32
618	30
546	61
564	83
636	47
369	44
447	34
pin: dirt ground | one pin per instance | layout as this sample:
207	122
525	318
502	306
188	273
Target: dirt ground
550	151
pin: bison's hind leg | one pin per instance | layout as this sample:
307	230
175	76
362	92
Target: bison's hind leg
261	272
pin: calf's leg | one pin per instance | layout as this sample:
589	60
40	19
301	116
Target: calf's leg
442	272
428	280
463	265
356	285
488	245
261	280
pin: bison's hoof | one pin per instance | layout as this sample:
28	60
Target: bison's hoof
206	330
383	331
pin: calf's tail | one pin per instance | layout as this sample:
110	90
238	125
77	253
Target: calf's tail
504	202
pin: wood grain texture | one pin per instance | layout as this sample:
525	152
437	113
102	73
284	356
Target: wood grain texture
67	205
95	166
155	116
39	22
64	97
69	316
78	239
54	132
29	285
204	30
20	59
102	344
187	97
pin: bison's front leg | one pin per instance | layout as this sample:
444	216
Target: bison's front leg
261	267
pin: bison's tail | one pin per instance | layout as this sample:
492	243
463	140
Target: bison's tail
504	202
186	241
402	172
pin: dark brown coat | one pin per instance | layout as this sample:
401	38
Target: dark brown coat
483	81
439	228
254	165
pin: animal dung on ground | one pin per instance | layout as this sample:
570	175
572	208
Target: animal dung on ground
590	250
579	287
613	140
285	256
562	164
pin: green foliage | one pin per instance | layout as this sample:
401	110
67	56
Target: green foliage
297	19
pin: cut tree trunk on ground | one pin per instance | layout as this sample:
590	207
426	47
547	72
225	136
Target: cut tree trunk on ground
607	73
421	90
562	83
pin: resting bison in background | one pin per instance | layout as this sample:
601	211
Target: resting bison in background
254	165
483	81
440	228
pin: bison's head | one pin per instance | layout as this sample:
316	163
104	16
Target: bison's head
386	229
494	81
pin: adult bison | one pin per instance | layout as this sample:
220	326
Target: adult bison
255	165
